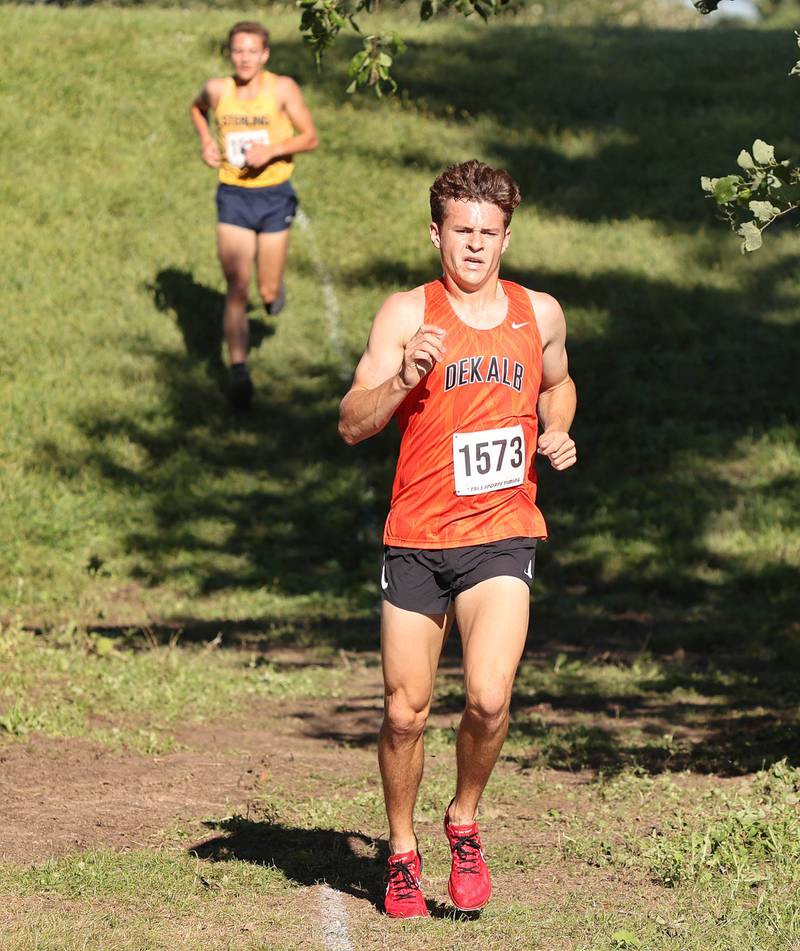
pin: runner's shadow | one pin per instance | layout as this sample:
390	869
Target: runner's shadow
349	862
198	310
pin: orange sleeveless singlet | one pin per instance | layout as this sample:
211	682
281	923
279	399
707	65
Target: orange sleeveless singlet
473	414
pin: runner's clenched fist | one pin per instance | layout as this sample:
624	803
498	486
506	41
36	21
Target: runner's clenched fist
559	447
422	352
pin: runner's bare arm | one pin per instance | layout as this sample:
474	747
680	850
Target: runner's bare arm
305	138
204	101
557	397
401	350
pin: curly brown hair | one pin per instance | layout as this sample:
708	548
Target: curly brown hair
474	181
247	26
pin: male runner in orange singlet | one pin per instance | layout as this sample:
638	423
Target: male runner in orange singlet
472	367
262	121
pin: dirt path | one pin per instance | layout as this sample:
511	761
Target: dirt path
59	796
63	796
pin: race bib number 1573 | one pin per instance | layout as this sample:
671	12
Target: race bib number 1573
488	460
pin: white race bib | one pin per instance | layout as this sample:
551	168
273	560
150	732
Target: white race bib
488	460
236	142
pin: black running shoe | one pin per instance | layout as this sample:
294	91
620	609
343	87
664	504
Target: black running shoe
276	306
241	387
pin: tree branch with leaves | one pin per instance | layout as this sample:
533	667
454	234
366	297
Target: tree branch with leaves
765	190
321	22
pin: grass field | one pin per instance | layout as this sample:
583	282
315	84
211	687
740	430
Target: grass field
648	793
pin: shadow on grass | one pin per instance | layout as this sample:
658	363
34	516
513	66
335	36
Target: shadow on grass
601	124
674	378
198	311
732	743
665	716
676	381
349	862
594	123
268	499
669	388
263	634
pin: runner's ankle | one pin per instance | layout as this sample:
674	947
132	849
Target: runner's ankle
460	817
403	844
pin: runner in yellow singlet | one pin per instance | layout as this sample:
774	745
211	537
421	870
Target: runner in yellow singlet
262	122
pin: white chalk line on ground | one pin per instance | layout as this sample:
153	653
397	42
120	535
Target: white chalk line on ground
333	312
333	315
334	921
335	936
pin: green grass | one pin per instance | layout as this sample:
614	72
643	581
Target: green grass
146	901
665	634
650	862
130	492
631	851
76	684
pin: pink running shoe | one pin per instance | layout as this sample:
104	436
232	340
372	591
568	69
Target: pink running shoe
470	885
404	898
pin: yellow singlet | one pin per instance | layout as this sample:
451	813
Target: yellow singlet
240	121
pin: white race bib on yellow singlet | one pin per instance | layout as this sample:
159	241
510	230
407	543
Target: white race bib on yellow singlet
236	142
488	460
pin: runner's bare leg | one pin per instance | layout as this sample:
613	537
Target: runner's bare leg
492	618
411	645
273	248
236	249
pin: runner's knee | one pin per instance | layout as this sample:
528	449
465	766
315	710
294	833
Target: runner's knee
489	703
403	717
269	290
238	286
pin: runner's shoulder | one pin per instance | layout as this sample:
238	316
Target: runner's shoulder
402	313
406	305
286	88
548	313
213	89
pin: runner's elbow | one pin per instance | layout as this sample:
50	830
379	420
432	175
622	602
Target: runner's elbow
348	432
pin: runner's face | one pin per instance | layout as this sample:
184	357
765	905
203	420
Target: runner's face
471	241
248	55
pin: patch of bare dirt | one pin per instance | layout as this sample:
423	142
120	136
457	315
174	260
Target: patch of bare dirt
60	796
63	795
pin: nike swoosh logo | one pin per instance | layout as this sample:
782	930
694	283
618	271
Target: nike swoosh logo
517	326
384	581
528	571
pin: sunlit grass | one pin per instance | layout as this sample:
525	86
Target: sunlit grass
91	686
119	448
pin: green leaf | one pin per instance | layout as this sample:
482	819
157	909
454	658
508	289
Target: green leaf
725	189
751	235
764	154
103	646
764	210
625	940
745	160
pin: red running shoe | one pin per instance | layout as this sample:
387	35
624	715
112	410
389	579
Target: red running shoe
404	898
470	885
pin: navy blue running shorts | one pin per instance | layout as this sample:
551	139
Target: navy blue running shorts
263	210
427	580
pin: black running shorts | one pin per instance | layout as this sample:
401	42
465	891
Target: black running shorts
427	580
